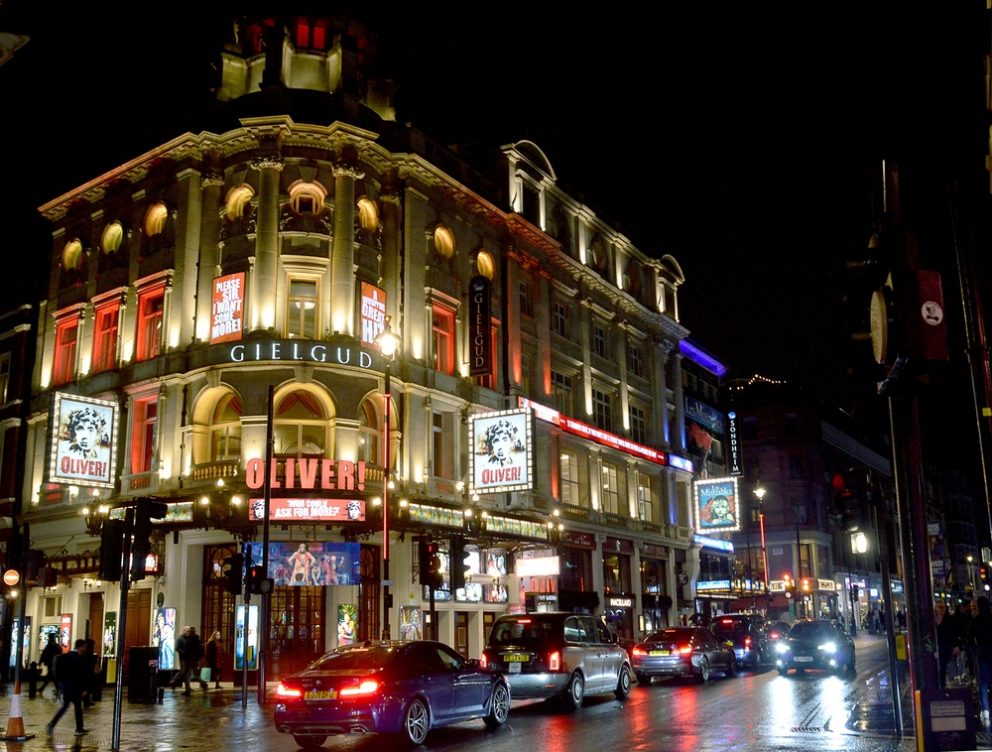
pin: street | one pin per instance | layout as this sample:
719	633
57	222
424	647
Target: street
753	711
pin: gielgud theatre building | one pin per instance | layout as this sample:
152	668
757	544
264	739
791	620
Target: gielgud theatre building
535	418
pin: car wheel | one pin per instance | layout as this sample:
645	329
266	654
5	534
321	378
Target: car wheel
731	671
499	706
309	742
575	691
622	691
643	678
704	670
416	721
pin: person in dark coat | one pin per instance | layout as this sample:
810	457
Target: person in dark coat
190	651
72	672
91	691
48	655
980	639
948	641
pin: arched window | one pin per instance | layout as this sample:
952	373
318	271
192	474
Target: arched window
485	264
369	433
225	428
368	214
307	198
72	255
155	219
444	241
113	236
237	201
303	425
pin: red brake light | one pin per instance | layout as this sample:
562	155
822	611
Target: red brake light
726	621
523	621
364	689
483	661
288	693
773	635
685	649
747	642
639	651
554	661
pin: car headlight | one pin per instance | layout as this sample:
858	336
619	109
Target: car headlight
828	647
781	647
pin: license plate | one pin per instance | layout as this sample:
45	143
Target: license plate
320	694
659	652
514	668
803	659
729	643
516	658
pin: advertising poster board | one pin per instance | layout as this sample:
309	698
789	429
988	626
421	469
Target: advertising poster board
717	505
83	449
501	456
164	638
239	638
347	623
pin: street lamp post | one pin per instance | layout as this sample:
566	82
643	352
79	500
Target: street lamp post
971	573
760	492
859	546
387	346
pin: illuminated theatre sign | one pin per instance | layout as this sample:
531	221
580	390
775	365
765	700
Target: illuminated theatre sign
83	446
307	474
299	351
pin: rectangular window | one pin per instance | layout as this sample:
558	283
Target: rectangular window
645	498
151	307
443	326
526	298
635	364
561	386
66	332
569	466
559	319
144	423
105	322
599	340
799	513
637	424
442	458
4	376
301	313
611	489
602	410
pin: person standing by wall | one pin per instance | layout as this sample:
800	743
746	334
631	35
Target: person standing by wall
215	657
72	672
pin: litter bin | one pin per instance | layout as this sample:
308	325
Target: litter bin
142	674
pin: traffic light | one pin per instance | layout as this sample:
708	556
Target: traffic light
429	555
459	563
983	576
111	550
790	586
257	581
233	570
145	511
807	585
36	561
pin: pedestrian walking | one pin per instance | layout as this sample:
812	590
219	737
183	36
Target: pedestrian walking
48	655
980	639
214	655
190	651
91	690
72	673
948	644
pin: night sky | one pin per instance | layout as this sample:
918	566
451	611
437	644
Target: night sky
744	142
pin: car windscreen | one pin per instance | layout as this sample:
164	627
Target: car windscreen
529	631
353	659
669	635
811	631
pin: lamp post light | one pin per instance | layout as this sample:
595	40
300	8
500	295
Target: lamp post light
388	343
760	492
971	573
859	547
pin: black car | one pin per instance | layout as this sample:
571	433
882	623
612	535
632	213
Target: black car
745	633
775	631
682	651
815	645
406	688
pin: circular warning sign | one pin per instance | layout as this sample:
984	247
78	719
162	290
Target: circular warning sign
11	577
932	312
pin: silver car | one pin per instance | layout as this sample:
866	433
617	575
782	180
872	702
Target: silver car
557	655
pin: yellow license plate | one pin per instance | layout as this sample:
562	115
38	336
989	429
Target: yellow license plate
516	658
729	643
659	652
322	694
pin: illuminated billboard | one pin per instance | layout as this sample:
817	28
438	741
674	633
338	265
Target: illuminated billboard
373	313
227	308
83	441
717	505
501	456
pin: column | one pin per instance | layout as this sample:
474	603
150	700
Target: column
542	315
264	278
678	441
343	249
188	221
210	185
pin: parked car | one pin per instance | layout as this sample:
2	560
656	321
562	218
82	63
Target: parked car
558	655
775	631
818	644
405	688
745	633
682	651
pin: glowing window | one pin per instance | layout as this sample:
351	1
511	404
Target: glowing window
151	308
307	198
155	219
105	325
369	433
301	425
72	255
485	264
112	237
444	241
443	326
225	428
368	214
66	331
144	424
301	309
237	200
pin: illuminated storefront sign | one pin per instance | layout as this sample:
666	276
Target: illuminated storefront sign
626	601
308	474
227	308
300	350
480	336
305	510
717	505
540	566
501	456
705	585
84	449
598	435
716	543
373	313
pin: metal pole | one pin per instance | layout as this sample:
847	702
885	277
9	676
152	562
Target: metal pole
263	611
115	737
890	633
747	569
800	596
764	555
244	633
387	397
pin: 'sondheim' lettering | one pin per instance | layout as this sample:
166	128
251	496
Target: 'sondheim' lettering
305	351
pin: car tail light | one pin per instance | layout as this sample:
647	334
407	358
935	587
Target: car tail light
639	651
288	693
773	635
554	661
365	688
685	649
483	661
747	642
726	621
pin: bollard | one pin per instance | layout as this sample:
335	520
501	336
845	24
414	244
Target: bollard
32	680
161	695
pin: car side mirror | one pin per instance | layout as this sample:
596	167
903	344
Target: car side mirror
473	664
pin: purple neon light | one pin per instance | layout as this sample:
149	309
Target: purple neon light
698	356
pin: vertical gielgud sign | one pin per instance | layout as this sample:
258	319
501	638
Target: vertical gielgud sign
480	338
